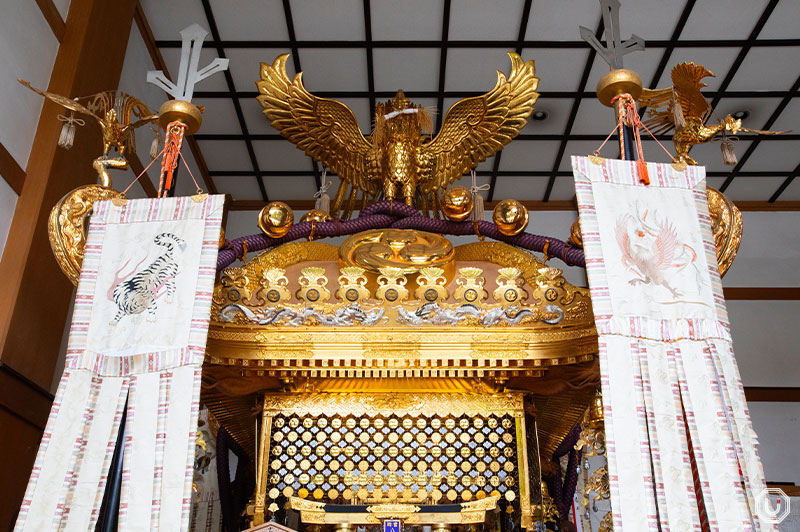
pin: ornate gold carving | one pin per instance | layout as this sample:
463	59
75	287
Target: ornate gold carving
393	511
104	107
598	483
575	235
470	286
351	285
426	404
312	286
547	511
66	226
607	523
397	157
273	286
430	285
508	291
391	287
407	249
726	226
683	108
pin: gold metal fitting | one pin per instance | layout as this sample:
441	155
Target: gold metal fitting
183	111
616	82
275	219
457	203
510	217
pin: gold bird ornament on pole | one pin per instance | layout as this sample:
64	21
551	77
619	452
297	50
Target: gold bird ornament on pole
683	108
398	160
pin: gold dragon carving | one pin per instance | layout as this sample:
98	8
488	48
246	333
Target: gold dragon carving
683	108
397	159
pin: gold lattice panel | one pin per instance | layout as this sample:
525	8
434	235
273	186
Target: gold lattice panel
367	459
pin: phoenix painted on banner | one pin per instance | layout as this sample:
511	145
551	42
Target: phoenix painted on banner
652	250
397	160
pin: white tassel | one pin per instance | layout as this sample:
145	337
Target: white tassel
677	112
477	198
323	202
67	137
155	145
728	153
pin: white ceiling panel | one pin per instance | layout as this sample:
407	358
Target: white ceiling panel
291	188
254	117
410	69
225	155
239	187
586	147
710	154
558	69
792	192
521	188
746	188
789	119
334	69
328	20
167	19
782	24
557	110
469	20
416	20
559	21
245	65
720	19
774	155
717	60
280	155
252	20
563	188
649	19
475	69
768	68
527	155
760	109
594	118
219	117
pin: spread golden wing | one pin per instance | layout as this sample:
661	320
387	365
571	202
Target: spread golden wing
686	86
324	129
63	101
475	128
686	80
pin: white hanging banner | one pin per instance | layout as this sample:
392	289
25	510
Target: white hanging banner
672	394
138	334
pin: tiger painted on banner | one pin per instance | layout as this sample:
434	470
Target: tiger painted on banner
135	292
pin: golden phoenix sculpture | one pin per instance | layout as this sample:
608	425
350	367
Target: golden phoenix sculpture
113	111
397	159
683	108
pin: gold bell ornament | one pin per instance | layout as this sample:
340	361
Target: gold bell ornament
275	219
510	217
456	203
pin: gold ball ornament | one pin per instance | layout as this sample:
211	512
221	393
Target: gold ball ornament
276	219
316	215
510	217
457	203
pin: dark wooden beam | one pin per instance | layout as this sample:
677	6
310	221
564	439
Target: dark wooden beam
34	302
772	394
764	293
53	18
11	171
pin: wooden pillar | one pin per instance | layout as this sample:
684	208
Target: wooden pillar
35	297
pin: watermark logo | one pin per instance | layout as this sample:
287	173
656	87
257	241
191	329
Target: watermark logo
769	511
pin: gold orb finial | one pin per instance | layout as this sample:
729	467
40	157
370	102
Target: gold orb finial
275	219
457	203
616	82
186	112
510	217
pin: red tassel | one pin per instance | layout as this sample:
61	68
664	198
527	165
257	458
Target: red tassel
641	168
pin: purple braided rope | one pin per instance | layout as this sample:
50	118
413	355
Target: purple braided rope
563	492
385	214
